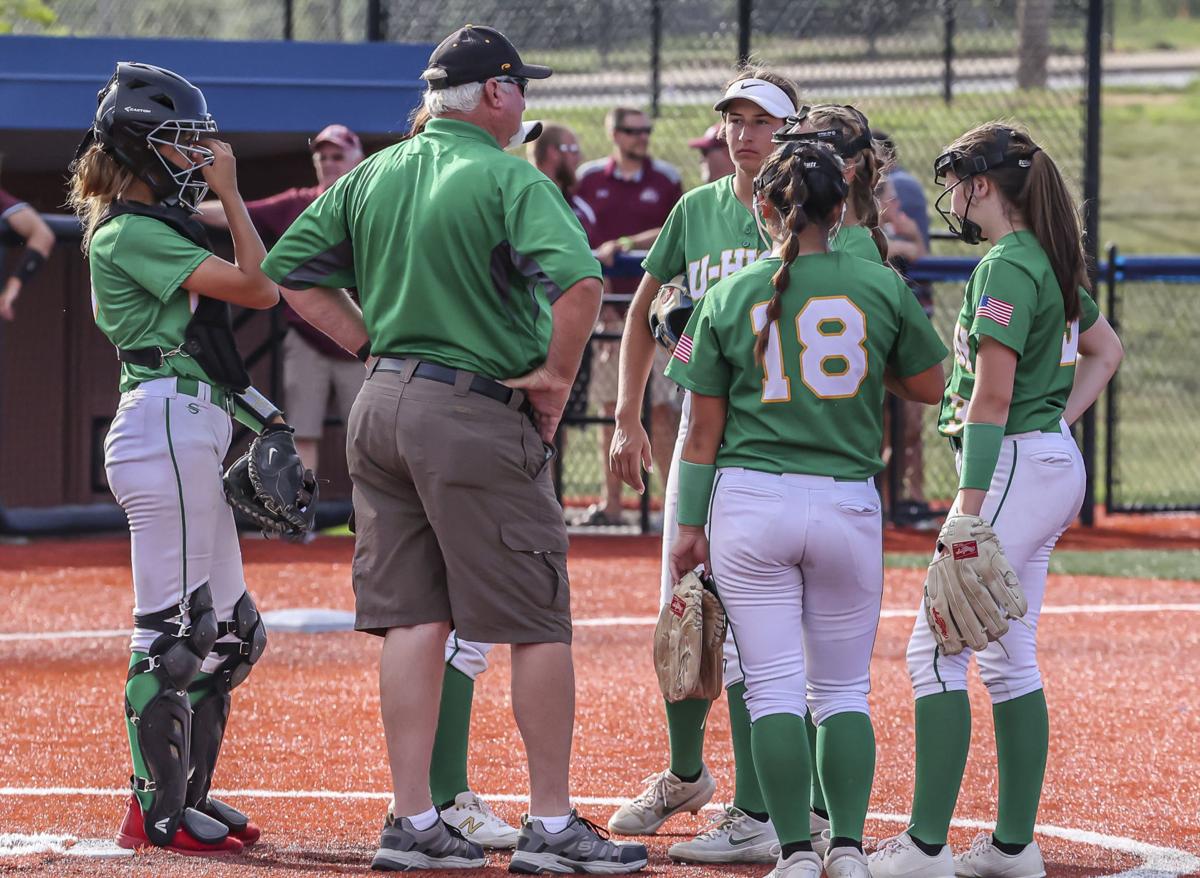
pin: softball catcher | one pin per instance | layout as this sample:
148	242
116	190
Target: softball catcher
160	296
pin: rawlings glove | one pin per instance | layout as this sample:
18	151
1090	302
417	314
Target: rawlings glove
689	640
270	486
971	590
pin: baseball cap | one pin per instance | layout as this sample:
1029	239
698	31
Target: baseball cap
767	95
710	139
475	54
338	135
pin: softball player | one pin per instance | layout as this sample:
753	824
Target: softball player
710	234
1031	354
139	173
847	130
787	363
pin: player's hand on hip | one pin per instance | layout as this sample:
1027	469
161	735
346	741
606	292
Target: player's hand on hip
221	175
689	551
547	393
629	454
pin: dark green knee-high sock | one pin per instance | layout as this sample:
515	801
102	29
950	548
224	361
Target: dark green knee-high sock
685	729
448	765
846	760
817	798
782	758
747	792
1022	739
943	738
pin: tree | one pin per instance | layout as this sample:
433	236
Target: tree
1033	49
34	12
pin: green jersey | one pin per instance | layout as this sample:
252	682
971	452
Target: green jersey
458	249
857	241
138	266
708	236
815	405
1014	297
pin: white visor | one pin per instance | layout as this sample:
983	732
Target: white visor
770	97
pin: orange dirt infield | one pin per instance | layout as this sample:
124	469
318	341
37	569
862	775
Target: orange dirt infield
305	754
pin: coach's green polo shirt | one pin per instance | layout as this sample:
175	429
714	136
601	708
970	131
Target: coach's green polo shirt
458	249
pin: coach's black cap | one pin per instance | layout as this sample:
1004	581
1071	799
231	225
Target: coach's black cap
476	54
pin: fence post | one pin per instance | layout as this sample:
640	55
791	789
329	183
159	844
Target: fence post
1091	220
745	7
376	21
1110	393
656	25
289	18
948	50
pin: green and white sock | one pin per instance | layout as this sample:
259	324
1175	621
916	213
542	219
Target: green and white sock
1022	740
448	764
846	760
943	738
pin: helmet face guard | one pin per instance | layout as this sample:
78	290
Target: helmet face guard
964	167
670	312
181	135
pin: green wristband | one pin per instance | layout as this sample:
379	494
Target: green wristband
980	452
695	491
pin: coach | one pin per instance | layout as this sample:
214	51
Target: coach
475	279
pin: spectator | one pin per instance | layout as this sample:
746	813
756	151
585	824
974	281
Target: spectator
556	154
39	241
715	162
631	195
313	365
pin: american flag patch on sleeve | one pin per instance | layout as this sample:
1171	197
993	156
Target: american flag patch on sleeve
683	349
996	310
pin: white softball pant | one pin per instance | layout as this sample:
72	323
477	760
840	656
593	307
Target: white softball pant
798	564
1036	492
163	456
733	667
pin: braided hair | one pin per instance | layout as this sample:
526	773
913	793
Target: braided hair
803	182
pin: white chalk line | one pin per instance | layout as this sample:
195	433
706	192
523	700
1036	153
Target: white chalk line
628	621
1157	861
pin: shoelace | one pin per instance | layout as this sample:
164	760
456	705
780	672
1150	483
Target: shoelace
601	833
890	846
656	789
724	821
477	804
980	844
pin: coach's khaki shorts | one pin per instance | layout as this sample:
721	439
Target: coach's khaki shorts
308	378
455	515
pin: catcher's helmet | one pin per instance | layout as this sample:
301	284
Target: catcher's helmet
143	107
670	311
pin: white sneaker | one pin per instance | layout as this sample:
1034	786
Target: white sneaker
898	857
664	795
475	819
802	864
736	837
984	860
843	862
818	827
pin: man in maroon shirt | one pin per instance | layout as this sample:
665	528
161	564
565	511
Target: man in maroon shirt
556	154
631	195
39	241
313	365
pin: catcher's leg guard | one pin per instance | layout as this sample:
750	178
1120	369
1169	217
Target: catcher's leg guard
210	713
158	713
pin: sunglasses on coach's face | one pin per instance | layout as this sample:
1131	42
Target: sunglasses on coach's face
568	147
519	81
634	132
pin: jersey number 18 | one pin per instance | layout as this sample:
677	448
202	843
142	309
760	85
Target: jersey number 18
832	333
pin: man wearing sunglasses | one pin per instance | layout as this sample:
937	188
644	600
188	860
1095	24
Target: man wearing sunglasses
556	154
632	195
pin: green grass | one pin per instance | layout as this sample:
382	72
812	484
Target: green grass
1134	563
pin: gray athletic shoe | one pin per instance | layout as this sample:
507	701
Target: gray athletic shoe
403	848
581	847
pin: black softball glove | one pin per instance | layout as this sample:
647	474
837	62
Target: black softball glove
270	486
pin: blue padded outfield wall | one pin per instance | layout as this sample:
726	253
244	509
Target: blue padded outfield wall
50	83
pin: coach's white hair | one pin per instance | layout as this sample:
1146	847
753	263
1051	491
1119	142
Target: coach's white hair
456	99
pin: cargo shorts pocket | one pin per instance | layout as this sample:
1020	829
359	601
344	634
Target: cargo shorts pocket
545	549
538	454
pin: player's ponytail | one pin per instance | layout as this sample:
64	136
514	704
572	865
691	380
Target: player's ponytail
1031	183
803	183
96	181
867	156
